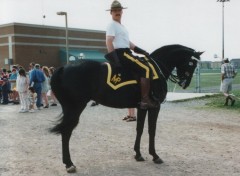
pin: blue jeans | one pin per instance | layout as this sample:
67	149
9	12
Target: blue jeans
5	97
38	90
5	91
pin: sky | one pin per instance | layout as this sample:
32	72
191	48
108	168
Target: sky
151	23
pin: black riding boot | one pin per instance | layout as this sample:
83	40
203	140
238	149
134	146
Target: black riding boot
146	102
232	100
226	102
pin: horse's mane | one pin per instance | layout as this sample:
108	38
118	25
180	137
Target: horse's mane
173	55
167	50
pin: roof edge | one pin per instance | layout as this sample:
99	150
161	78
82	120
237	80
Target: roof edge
49	27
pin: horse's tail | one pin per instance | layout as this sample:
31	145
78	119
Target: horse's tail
57	129
56	81
56	88
68	119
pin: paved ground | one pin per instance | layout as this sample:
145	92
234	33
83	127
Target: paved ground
171	96
192	141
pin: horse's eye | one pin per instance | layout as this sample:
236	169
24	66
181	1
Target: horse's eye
190	64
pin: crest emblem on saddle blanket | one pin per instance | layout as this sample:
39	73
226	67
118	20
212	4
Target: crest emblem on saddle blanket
116	79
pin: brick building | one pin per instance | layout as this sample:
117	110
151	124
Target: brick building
46	45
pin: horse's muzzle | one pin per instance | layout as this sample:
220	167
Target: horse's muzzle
183	84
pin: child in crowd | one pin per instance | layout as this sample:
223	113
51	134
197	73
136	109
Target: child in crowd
22	83
32	99
12	80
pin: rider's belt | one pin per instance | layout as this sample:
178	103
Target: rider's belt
122	50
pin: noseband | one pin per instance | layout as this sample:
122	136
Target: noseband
175	78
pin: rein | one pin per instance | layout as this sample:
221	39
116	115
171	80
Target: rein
159	69
172	77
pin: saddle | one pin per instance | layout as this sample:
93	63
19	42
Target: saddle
118	76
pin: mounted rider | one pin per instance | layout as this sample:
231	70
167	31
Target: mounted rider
119	49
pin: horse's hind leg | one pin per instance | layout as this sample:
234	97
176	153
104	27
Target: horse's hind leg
65	151
152	122
71	118
141	115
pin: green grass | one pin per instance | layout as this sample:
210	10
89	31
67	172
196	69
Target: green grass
208	79
217	101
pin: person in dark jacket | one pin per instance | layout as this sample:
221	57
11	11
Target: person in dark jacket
5	90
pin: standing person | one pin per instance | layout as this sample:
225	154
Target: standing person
31	67
228	73
12	80
45	85
5	73
22	88
52	69
119	50
36	78
1	82
5	90
131	115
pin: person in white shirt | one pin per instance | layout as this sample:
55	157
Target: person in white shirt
22	83
119	52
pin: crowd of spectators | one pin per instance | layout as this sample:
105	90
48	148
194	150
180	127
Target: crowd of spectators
30	89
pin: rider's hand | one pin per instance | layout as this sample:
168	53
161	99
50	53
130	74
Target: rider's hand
112	57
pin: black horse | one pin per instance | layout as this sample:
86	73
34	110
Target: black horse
75	85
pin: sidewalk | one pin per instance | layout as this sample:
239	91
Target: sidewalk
173	96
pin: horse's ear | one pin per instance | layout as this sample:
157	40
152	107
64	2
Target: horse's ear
200	53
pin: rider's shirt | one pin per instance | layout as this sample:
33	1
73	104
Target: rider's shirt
120	33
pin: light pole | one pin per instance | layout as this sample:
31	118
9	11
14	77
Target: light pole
65	14
223	25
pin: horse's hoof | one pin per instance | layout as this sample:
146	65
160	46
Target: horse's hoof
139	158
71	169
157	160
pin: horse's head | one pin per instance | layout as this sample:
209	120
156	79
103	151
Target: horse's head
181	58
186	69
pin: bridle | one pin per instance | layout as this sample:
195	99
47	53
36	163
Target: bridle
172	77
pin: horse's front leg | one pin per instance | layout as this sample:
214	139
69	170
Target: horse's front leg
152	123
141	115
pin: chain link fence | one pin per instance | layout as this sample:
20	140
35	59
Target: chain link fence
204	81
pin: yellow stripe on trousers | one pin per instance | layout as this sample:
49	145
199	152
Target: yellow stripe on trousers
138	63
